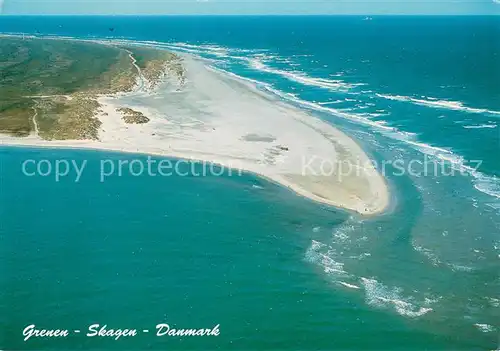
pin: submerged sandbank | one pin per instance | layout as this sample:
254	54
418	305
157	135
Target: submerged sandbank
214	117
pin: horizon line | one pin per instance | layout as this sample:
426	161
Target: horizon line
247	15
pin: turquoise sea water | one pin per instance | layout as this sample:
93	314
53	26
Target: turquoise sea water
277	271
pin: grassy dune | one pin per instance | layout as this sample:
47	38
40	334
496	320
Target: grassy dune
68	118
131	116
57	82
35	73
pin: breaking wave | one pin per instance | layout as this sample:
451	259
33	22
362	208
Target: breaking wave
363	118
481	126
381	296
316	254
299	77
330	102
376	294
435	261
436	103
488	185
485	328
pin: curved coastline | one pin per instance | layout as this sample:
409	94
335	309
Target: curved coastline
220	111
35	143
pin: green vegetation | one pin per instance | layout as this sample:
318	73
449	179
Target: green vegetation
36	75
15	116
68	118
49	67
51	86
131	116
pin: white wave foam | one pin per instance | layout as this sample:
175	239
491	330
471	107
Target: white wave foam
489	185
495	302
215	48
191	51
204	50
360	118
481	126
330	102
485	328
302	78
461	268
432	257
350	286
342	233
380	114
362	107
315	255
379	295
436	103
376	293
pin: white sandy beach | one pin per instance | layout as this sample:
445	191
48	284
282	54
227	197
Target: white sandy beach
224	120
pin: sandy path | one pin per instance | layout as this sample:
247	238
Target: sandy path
141	81
35	124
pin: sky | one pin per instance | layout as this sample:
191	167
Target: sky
241	7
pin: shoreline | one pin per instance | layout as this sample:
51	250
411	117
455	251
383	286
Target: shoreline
222	120
36	143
